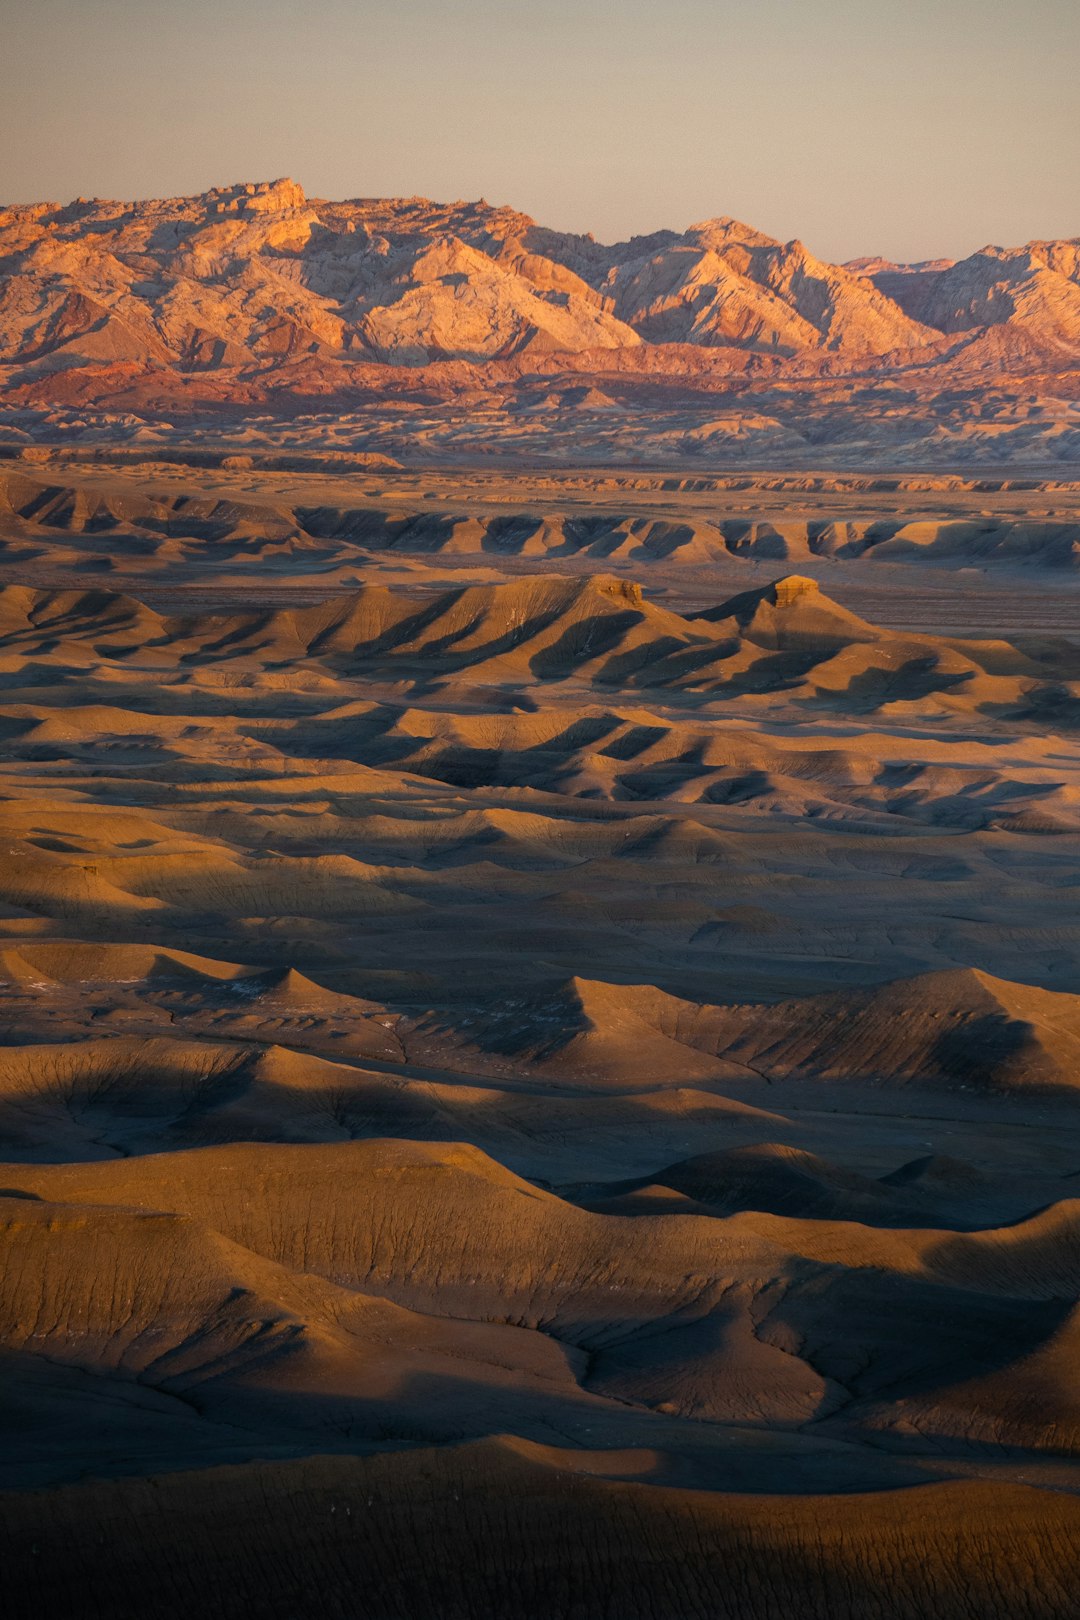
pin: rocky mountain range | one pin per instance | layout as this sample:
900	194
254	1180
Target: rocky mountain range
256	294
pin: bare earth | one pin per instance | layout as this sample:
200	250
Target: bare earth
540	1041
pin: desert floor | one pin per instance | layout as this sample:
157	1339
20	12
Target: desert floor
540	1043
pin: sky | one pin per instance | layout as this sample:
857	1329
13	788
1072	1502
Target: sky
907	128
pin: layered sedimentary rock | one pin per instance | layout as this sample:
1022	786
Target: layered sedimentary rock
255	295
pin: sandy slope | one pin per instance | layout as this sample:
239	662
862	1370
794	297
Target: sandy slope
518	1087
274	1538
290	520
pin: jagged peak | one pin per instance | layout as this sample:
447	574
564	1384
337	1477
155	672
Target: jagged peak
257	197
725	228
719	284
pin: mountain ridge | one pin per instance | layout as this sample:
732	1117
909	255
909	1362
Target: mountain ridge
407	281
451	331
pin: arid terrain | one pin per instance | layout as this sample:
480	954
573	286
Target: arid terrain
441	333
539	927
540	1017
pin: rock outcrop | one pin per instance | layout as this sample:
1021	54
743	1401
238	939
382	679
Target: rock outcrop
251	299
251	274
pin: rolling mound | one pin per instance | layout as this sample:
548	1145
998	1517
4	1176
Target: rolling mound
116	523
776	1178
447	1231
599	631
491	1051
133	525
959	1028
962	1548
773	1179
582	1031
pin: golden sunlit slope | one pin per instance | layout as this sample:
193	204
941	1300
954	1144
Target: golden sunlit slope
406	284
407	281
757	1314
600	630
513	1059
957	1028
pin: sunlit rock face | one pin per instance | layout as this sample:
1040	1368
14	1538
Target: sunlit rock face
716	340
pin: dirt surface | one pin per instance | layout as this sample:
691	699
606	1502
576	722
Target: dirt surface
537	1079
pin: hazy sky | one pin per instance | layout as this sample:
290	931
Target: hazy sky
910	128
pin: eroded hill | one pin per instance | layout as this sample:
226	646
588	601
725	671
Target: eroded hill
520	1087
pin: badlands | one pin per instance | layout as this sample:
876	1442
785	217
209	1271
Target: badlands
540	1038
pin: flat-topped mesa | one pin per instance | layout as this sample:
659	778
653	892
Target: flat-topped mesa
791	588
262	197
620	590
791	611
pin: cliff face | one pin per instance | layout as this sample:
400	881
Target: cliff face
259	273
257	295
1034	290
